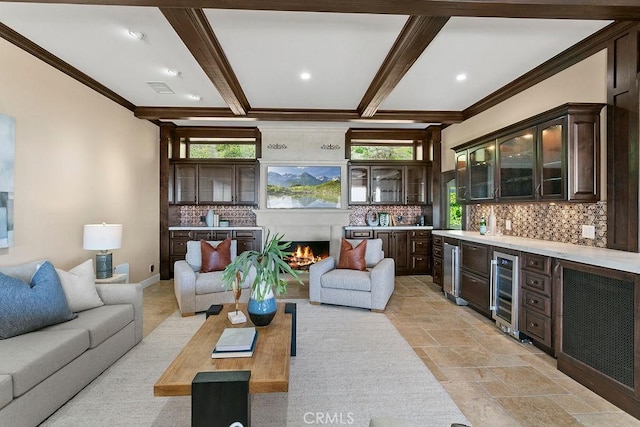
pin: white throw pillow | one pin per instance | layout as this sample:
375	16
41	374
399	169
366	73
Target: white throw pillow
80	287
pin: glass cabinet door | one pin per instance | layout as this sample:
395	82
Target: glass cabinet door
416	188
358	184
246	185
386	184
185	183
482	165
461	176
516	159
551	159
215	184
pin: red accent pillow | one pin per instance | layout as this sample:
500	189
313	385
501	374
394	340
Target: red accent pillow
353	258
215	258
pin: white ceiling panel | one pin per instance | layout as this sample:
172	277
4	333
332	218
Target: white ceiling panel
95	40
269	50
490	51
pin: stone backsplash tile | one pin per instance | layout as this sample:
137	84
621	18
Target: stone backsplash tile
238	216
557	222
404	215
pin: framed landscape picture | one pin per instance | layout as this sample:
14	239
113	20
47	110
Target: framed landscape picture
300	187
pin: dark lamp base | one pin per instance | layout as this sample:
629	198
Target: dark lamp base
104	268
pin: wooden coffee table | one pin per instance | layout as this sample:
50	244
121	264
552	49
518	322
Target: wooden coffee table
268	367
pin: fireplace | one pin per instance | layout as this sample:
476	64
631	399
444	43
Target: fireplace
306	253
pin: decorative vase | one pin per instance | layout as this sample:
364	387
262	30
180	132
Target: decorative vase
209	218
262	312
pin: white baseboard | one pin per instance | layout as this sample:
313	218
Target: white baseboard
151	280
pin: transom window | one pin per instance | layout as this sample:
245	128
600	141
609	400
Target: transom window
387	144
216	143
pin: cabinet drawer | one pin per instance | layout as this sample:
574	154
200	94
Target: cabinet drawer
184	234
437	251
421	234
437	271
438	241
538	263
537	327
475	257
359	234
475	290
178	247
536	302
421	247
536	282
420	264
238	234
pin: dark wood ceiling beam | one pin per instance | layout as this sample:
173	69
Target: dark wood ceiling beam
195	31
571	56
418	32
27	45
274	114
575	9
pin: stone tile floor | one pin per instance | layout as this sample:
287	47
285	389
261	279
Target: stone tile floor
494	379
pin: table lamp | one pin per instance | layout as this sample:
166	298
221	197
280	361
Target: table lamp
102	237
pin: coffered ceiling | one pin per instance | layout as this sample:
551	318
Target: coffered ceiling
370	63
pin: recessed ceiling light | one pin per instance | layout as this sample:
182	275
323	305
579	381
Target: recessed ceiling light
136	35
461	77
305	76
195	98
174	73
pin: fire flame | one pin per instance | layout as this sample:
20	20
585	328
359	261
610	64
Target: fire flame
302	258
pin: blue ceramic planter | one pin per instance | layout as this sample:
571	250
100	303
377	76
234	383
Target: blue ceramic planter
262	313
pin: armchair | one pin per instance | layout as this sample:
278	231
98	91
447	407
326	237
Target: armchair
365	289
197	291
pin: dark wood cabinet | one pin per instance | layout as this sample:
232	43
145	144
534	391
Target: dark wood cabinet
475	283
536	309
420	244
220	183
385	183
552	156
246	240
395	244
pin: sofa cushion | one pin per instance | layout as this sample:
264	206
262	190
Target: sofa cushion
207	283
374	254
6	390
31	358
215	258
28	307
347	279
352	257
101	322
79	286
194	255
23	272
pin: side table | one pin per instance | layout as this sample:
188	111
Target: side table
116	278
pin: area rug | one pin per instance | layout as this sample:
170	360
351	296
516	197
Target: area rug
351	365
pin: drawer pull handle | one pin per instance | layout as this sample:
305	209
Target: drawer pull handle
533	301
534	282
532	263
534	325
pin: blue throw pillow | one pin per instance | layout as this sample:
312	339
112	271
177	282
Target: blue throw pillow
27	307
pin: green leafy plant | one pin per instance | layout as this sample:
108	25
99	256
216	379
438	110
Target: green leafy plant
269	265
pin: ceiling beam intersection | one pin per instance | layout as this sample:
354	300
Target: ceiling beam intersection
193	27
417	33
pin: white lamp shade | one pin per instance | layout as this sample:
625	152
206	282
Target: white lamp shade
102	237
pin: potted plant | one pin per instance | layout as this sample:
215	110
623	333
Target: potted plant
268	264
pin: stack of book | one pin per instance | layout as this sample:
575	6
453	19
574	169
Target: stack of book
235	342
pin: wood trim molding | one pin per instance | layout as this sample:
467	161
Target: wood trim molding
418	32
28	46
576	9
274	114
193	27
558	63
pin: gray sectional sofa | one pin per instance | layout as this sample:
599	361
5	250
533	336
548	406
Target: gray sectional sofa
41	370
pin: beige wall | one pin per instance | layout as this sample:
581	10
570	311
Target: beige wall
80	158
585	81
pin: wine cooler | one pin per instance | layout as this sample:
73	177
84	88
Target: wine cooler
504	293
